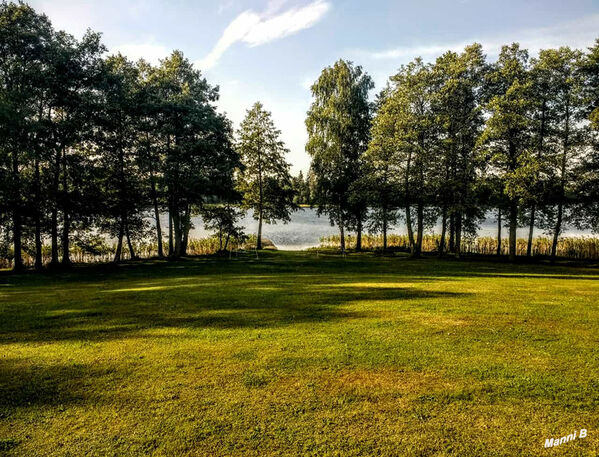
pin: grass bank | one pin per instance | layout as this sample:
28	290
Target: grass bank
294	354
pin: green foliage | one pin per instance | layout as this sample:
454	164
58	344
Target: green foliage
338	124
264	179
223	219
302	189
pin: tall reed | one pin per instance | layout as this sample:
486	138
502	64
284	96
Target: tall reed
586	247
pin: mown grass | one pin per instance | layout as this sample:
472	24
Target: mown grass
294	354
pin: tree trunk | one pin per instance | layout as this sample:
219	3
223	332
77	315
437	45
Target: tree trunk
16	215
443	230
38	225
185	230
341	235
498	231
157	216
410	229
458	235
259	237
260	201
408	215
54	215
170	232
562	196
531	229
560	211
129	243
513	228
119	241
177	232
539	158
420	228
359	235
66	255
557	231
384	231
452	233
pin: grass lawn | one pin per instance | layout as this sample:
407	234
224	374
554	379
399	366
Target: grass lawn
294	354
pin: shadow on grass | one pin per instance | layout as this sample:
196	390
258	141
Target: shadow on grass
278	289
25	385
232	302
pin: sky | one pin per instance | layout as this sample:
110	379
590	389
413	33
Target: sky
273	50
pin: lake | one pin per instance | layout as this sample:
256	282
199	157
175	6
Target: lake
306	229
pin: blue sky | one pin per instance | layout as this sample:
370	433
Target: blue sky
272	50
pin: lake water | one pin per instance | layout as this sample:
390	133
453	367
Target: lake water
306	229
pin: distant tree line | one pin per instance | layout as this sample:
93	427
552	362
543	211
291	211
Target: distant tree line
455	139
95	147
303	188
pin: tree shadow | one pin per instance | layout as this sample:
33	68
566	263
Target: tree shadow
25	385
236	301
278	289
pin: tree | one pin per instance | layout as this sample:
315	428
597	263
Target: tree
586	212
25	39
223	218
456	107
383	175
408	125
118	123
199	159
566	135
506	139
589	68
299	188
76	69
264	181
338	124
149	149
540	95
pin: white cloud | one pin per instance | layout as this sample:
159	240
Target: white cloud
225	5
579	33
150	52
257	29
413	51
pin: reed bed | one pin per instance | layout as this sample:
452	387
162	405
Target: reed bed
586	247
104	252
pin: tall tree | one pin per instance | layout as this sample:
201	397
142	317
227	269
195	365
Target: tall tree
587	189
265	181
338	124
116	137
457	109
566	135
541	128
383	175
150	149
25	39
198	153
590	73
411	130
507	135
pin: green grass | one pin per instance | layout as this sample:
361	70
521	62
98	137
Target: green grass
294	354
